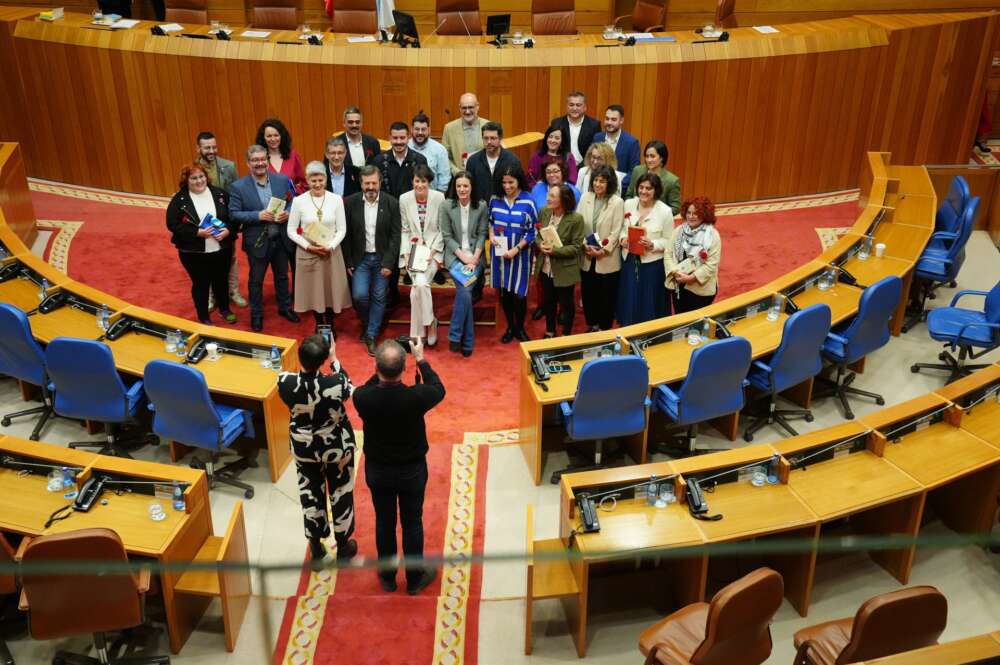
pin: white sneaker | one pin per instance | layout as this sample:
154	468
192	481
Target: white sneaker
432	334
237	299
211	301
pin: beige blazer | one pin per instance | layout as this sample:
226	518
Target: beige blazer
429	234
706	271
609	226
658	224
453	140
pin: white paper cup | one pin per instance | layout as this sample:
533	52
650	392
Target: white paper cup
213	350
879	250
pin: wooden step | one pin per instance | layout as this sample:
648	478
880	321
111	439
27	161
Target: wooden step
202	582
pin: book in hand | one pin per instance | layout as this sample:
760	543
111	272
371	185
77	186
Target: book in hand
593	240
318	234
276	206
550	236
635	234
462	274
420	258
213	224
501	246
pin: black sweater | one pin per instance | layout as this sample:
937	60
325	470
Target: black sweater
393	416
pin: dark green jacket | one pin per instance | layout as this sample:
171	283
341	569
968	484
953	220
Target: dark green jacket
565	259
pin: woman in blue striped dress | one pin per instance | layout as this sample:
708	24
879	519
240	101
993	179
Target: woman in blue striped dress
512	230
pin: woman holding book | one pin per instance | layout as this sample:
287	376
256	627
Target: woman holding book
603	213
317	224
464	227
421	249
691	262
642	295
512	230
198	219
559	239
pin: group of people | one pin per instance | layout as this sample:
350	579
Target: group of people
590	209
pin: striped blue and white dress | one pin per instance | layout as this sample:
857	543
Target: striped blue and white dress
516	223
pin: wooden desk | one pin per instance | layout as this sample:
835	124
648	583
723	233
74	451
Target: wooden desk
959	652
842	299
25	505
983	420
902	241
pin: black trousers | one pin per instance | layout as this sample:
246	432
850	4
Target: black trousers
398	487
320	485
558	298
515	308
685	301
277	259
600	296
208	271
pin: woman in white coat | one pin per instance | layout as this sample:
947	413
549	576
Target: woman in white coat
603	214
421	249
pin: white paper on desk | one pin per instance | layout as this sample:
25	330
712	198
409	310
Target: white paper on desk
124	24
361	39
765	29
260	34
171	27
638	35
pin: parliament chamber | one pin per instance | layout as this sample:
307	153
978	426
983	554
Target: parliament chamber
880	100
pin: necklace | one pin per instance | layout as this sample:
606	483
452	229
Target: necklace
319	208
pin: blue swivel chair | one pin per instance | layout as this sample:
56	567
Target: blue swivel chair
184	412
713	387
22	358
938	266
798	358
949	215
967	329
611	401
87	386
868	331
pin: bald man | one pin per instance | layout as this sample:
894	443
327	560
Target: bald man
463	136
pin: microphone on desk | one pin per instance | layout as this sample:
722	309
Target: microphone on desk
619	344
461	17
724	37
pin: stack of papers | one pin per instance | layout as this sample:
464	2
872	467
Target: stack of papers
765	29
360	39
171	27
259	34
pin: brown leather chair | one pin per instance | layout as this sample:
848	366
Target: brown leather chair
355	16
733	629
63	603
884	625
458	17
8	587
725	14
187	11
553	17
275	14
646	16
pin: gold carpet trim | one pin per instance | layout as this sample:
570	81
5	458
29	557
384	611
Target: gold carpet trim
786	204
498	438
830	235
450	625
99	195
62	235
310	610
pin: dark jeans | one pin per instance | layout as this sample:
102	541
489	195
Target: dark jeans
208	271
688	302
368	291
600	297
561	296
514	309
399	485
277	259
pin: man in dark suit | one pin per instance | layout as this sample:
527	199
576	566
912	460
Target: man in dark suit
396	164
361	148
371	250
483	164
577	127
264	238
626	146
340	178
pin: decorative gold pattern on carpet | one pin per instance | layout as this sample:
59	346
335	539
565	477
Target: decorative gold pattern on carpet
987	158
62	235
497	438
830	235
450	626
787	204
98	195
310	610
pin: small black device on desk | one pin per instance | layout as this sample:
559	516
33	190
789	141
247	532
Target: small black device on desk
53	301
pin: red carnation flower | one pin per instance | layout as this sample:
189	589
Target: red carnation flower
368	153
498	230
628	215
703	255
288	195
185	219
604	243
414	239
464	155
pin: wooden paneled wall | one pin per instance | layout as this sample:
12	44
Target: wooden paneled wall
744	120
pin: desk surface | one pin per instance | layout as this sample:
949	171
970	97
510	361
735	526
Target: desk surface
634	525
842	299
940	453
750	511
902	241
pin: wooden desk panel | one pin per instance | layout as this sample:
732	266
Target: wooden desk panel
749	511
940	454
902	241
873	269
984	422
634	525
842	299
15	199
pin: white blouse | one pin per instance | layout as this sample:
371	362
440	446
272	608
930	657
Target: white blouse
305	210
204	204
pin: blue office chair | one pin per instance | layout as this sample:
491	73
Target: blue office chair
936	267
798	358
851	342
968	329
611	401
949	215
713	387
184	412
87	386
22	358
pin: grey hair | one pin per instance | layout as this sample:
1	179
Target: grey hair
390	359
254	149
336	140
315	168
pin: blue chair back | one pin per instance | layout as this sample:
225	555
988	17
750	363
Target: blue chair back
991	308
714	383
930	265
949	213
20	355
799	356
87	384
610	398
870	328
184	411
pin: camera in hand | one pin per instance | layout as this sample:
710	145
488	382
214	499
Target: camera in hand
406	342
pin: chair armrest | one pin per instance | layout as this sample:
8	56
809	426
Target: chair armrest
143	579
966	292
837	338
980	324
762	366
944	235
802	654
647	402
615	22
566	408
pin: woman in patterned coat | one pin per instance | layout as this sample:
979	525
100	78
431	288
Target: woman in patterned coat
322	446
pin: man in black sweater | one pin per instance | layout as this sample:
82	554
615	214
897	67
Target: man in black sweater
395	449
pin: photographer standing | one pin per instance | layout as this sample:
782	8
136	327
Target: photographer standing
395	456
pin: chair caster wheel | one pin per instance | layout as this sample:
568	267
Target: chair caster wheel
914	369
849	415
248	494
809	418
942	356
5	422
880	401
748	437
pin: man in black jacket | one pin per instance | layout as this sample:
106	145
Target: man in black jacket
483	164
395	456
361	148
396	163
577	127
340	178
371	250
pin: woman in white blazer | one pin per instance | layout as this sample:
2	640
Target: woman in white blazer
603	214
418	210
642	295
